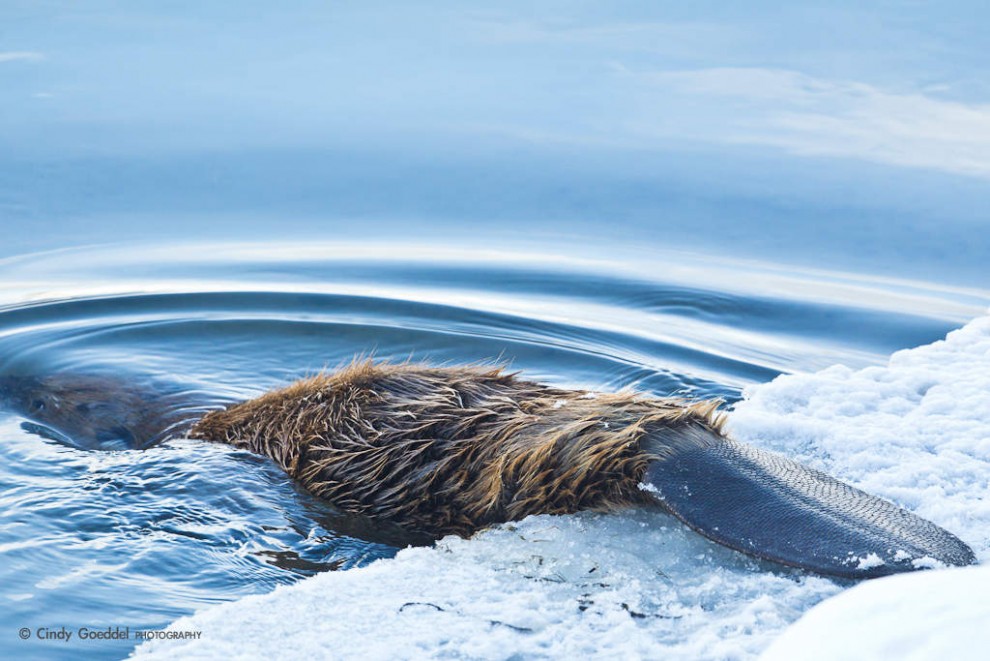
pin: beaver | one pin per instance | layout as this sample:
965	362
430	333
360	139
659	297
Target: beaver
451	450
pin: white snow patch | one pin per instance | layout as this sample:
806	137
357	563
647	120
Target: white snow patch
641	585
910	617
927	562
870	561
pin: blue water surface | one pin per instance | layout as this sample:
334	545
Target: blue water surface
208	201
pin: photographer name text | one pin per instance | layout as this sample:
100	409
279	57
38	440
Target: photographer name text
64	634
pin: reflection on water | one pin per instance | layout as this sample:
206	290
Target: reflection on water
94	534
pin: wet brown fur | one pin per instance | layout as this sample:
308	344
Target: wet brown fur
442	450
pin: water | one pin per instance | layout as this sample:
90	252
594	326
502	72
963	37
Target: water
205	203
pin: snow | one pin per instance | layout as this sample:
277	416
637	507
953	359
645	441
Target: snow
640	585
928	615
870	561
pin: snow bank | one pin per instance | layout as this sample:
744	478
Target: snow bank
912	617
640	585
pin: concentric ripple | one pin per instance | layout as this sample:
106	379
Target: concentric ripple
90	537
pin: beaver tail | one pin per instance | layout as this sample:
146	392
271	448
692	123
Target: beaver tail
773	508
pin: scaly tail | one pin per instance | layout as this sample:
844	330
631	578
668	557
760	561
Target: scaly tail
771	507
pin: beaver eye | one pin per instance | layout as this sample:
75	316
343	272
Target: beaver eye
38	404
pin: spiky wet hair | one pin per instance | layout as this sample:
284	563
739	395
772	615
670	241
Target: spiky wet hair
442	450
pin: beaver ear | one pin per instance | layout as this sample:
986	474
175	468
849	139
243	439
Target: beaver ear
773	508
